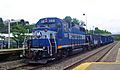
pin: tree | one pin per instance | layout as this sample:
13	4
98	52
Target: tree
30	27
1	21
18	32
18	28
2	26
21	21
82	23
116	38
75	21
68	19
98	31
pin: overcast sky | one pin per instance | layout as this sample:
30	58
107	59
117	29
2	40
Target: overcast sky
104	14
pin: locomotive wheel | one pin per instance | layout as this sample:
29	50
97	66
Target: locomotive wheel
59	54
70	51
89	48
65	53
84	48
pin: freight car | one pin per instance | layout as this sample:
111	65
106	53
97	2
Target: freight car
106	40
54	38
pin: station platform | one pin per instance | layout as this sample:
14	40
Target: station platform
110	62
15	49
99	66
6	51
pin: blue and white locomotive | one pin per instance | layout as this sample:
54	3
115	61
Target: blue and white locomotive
54	38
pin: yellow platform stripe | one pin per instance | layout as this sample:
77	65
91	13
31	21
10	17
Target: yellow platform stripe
83	66
105	62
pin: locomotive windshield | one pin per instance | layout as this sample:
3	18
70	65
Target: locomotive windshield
49	23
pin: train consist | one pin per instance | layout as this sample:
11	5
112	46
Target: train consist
54	38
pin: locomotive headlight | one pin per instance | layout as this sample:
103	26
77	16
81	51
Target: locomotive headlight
43	48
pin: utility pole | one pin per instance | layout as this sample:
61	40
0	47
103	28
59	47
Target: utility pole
9	34
85	21
93	29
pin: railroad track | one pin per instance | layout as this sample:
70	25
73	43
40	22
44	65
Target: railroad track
31	67
70	62
67	63
91	57
24	67
11	64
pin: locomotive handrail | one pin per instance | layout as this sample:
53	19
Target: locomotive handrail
55	44
50	45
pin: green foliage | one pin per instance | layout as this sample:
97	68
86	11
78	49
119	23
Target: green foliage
19	31
68	19
29	28
116	38
98	31
1	20
90	31
3	28
73	21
